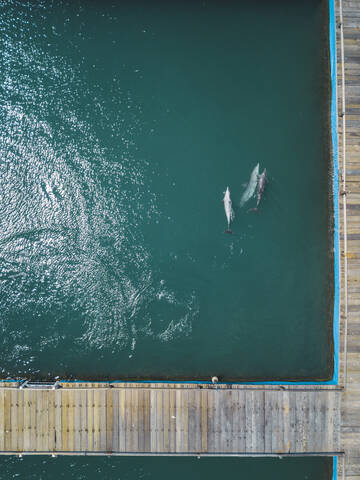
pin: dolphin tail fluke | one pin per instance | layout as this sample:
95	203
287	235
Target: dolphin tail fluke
228	231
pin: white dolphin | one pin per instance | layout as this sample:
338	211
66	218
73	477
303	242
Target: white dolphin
228	209
251	187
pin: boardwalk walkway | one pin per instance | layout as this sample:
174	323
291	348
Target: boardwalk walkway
350	419
172	419
198	419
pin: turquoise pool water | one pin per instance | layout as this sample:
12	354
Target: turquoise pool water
127	468
122	124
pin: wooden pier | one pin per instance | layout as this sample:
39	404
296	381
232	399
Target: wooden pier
178	419
349	466
189	419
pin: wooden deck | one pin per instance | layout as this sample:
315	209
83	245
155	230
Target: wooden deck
168	419
350	419
185	419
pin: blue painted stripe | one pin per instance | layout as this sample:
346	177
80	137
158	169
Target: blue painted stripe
334	137
335	462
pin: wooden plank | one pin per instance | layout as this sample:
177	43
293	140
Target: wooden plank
109	420
166	420
51	420
37	397
301	408
115	421
102	420
191	421
241	435
27	420
198	419
122	421
65	406
235	422
152	420
44	421
84	440
90	419
309	423
7	419
337	423
178	422
20	419
204	421
2	420
279	395
34	419
268	420
259	422
132	417
128	420
217	421
77	420
58	420
293	425
147	412
159	421
226	421
211	439
14	421
96	416
286	421
141	420
185	421
250	417
274	413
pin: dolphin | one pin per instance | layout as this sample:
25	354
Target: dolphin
228	209
251	187
260	188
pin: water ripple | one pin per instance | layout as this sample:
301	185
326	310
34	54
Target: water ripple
75	270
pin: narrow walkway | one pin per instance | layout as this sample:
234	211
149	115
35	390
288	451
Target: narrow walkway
172	419
350	419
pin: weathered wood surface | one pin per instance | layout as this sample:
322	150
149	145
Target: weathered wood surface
350	418
169	419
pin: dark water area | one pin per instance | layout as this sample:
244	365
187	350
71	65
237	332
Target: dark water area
121	125
130	468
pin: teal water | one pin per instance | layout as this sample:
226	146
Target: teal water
121	125
127	468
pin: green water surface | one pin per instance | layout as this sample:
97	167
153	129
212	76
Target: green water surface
121	125
127	468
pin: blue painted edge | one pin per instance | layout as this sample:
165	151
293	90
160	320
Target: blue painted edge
334	473
336	313
334	138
